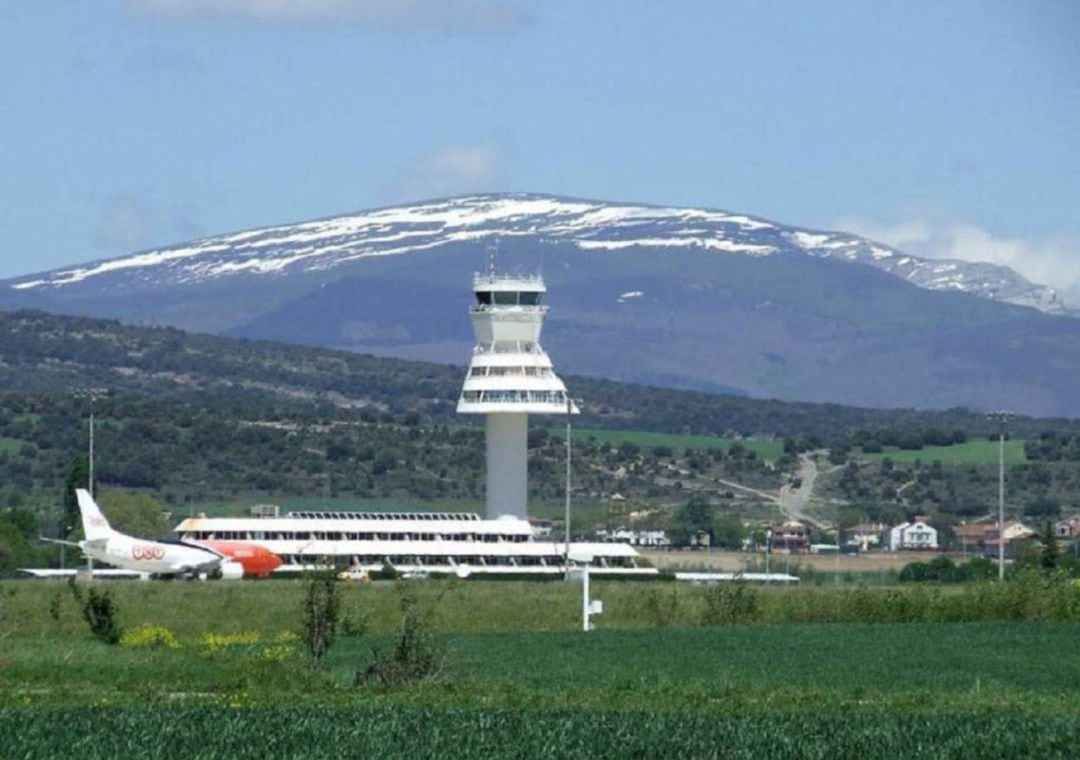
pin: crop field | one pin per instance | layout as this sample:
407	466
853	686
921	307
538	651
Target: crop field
970	452
672	670
766	448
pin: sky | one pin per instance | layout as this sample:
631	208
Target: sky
947	129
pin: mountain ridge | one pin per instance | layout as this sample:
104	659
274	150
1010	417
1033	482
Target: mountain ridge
688	298
991	281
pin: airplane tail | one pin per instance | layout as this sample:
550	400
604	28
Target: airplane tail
95	526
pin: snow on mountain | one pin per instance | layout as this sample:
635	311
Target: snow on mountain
590	225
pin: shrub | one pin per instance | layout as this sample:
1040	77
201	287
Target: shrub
734	603
321	609
99	612
153	636
415	657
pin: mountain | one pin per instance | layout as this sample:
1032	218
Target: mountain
678	297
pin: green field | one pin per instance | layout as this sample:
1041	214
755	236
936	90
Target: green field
971	452
516	678
766	448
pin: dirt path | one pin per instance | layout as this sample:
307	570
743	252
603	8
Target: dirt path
793	501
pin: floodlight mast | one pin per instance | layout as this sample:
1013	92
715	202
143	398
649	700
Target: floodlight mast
566	521
1002	419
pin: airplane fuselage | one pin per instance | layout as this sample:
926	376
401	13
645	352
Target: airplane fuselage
145	556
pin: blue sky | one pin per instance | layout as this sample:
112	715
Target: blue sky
946	128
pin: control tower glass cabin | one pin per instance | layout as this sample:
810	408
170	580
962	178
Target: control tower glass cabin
509	377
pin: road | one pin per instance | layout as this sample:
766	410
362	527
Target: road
793	501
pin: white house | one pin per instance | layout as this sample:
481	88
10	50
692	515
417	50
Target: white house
635	537
912	535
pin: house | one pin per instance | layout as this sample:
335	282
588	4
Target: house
972	535
1015	532
792	536
983	535
912	535
1068	528
655	538
865	535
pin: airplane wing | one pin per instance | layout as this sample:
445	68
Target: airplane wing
59	541
45	572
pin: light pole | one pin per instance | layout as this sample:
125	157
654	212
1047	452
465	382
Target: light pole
566	523
1002	419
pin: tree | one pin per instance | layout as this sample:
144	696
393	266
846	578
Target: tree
78	477
1048	555
320	612
728	532
135	512
694	517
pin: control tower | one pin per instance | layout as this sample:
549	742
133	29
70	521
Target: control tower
509	378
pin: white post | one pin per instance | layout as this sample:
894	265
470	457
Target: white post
585	623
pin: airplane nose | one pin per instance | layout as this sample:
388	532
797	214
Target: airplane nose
273	561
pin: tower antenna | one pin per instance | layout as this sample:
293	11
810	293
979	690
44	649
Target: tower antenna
493	255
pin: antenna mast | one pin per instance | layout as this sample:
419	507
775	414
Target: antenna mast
493	255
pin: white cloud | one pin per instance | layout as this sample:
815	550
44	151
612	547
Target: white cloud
450	171
1054	262
128	222
438	15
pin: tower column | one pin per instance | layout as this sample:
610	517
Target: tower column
507	464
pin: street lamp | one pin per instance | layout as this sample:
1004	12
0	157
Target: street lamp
1002	419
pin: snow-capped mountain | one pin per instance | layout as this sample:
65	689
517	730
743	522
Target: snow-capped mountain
589	225
681	297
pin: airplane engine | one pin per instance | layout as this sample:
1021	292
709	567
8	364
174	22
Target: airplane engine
232	571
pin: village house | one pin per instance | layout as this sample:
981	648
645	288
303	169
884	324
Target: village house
912	535
791	536
865	536
1068	528
1015	532
656	538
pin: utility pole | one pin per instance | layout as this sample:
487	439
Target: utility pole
90	480
1002	419
566	523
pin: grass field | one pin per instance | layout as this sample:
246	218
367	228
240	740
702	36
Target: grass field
517	680
971	452
765	448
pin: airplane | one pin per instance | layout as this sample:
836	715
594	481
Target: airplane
167	559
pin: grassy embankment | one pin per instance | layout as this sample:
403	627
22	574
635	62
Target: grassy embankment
972	452
673	670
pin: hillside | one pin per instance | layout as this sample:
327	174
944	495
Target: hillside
201	420
684	298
